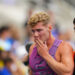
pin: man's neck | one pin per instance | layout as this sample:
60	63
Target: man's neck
50	41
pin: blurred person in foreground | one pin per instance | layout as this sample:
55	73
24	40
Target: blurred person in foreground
48	55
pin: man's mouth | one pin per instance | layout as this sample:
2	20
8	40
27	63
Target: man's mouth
36	38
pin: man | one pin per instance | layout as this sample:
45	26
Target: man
48	56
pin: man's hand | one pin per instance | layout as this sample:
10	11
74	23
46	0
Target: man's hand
41	48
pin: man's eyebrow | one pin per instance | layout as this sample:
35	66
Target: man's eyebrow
36	29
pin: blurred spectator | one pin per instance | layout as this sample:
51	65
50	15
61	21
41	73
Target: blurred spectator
1	60
11	65
21	68
3	56
4	35
6	69
21	53
14	39
18	49
66	33
15	35
55	30
29	37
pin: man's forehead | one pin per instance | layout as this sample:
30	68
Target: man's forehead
39	26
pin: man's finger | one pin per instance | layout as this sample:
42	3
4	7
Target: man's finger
37	42
40	41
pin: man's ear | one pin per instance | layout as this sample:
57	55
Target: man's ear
50	27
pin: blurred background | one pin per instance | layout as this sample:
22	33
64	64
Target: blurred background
15	37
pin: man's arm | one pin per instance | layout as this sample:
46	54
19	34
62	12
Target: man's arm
65	67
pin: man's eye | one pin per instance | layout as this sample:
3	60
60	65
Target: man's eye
33	31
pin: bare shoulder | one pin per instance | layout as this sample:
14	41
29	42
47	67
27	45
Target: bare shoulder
65	47
31	49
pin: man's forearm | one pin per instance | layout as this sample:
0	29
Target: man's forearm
58	67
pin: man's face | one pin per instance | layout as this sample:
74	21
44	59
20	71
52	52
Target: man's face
40	31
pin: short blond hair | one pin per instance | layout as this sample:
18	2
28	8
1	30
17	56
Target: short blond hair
38	17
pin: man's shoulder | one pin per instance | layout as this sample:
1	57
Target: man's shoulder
65	46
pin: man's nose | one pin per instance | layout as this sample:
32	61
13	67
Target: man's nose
36	34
